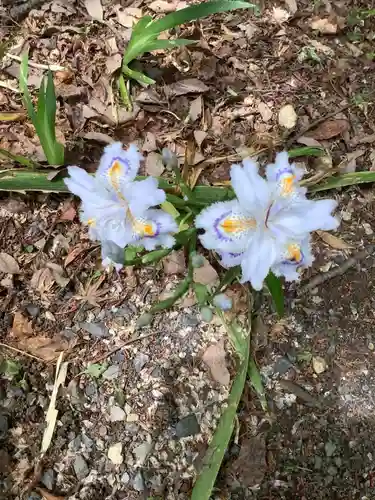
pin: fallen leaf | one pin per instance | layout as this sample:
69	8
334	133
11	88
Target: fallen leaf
113	63
214	358
128	16
280	15
324	26
199	136
350	163
182	87
8	264
68	211
74	254
154	164
94	9
265	112
287	117
333	241
251	464
195	110
11	116
150	143
175	263
161	6
292	6
39	345
206	274
42	280
58	274
329	129
52	412
149	96
98	137
309	141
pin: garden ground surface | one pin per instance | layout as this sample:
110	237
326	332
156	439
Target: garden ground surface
138	426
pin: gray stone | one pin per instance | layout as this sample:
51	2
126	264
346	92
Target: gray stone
187	426
282	365
144	320
48	479
190	320
138	482
33	310
96	330
80	467
123	311
69	334
141	452
140	360
111	372
91	390
88	442
125	478
117	414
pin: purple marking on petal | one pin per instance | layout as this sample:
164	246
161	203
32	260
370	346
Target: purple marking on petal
217	230
284	170
124	162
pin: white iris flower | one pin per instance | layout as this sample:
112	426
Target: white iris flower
267	226
117	208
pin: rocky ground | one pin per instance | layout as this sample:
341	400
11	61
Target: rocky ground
139	402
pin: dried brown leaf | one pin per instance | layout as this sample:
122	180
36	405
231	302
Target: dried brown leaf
329	129
265	111
350	163
251	463
309	141
206	275
324	26
68	211
94	9
175	263
214	358
98	137
161	6
182	87
74	254
333	241
8	264
199	136
196	108
42	280
47	495
154	164
150	143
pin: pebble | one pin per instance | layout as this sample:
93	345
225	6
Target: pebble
91	390
115	454
132	417
144	320
125	478
102	431
111	372
187	426
190	320
319	364
48	479
140	360
80	467
117	414
33	310
138	482
96	330
141	452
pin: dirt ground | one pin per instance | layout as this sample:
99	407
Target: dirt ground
138	426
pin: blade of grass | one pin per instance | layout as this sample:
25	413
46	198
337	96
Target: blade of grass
206	480
305	151
137	75
22	160
339	181
276	290
27	180
124	93
257	383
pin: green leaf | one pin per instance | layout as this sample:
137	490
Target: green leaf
306	151
155	255
276	290
168	207
95	370
27	180
10	368
140	26
206	480
194	12
137	75
22	160
168	44
201	293
257	383
343	180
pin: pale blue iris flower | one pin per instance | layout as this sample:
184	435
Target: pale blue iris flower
117	209
267	226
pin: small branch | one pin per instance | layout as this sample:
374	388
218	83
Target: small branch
24	353
121	346
337	271
52	67
5	85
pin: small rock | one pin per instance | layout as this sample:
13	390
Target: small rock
206	314
187	426
330	449
287	117
91	390
319	364
68	334
117	414
132	417
190	320
115	454
144	320
33	310
88	442
96	330
80	467
140	360
125	478
111	372
282	365
141	452
48	479
138	482
102	431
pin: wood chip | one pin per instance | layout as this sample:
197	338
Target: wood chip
214	358
333	241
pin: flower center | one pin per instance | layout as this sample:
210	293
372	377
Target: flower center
294	254
287	184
